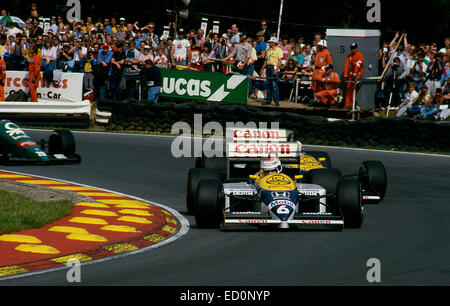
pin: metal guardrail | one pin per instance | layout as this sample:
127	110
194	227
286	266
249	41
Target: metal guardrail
46	107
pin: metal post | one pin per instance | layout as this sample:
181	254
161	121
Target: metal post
279	20
392	92
354	101
140	90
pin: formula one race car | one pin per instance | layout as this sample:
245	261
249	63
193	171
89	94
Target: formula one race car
16	147
312	166
236	190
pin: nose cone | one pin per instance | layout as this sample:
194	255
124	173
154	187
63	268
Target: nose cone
282	210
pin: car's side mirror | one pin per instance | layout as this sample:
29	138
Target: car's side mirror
298	177
321	159
253	177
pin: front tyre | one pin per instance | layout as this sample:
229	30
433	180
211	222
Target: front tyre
61	142
373	177
193	179
349	199
208	204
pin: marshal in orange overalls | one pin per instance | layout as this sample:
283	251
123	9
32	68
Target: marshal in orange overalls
323	58
2	80
354	69
34	76
330	81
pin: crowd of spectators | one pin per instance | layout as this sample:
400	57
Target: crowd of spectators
417	76
112	52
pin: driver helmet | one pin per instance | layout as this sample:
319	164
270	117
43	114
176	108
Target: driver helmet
271	165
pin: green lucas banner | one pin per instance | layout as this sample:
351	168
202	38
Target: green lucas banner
206	86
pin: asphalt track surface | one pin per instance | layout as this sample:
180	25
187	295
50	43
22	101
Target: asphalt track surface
408	233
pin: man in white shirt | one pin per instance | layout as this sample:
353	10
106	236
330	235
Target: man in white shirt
410	96
419	71
401	54
181	51
53	26
307	55
241	53
236	38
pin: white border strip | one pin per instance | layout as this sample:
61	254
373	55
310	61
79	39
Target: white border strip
353	33
183	229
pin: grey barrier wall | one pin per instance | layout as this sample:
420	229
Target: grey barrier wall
339	41
392	133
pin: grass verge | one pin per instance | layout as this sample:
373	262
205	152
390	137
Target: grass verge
18	212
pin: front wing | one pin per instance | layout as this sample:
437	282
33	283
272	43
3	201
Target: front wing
300	220
54	159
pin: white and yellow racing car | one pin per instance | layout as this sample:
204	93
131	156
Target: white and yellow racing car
304	193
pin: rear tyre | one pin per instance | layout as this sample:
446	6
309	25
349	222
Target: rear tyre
373	177
208	204
317	154
349	200
194	177
61	142
215	163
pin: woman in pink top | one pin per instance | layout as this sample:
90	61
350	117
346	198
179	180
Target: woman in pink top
160	59
146	55
286	48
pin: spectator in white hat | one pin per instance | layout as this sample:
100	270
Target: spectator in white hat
323	58
274	56
122	23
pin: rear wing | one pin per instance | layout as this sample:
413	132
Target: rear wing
258	143
258	135
258	150
245	148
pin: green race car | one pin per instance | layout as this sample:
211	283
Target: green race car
16	147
